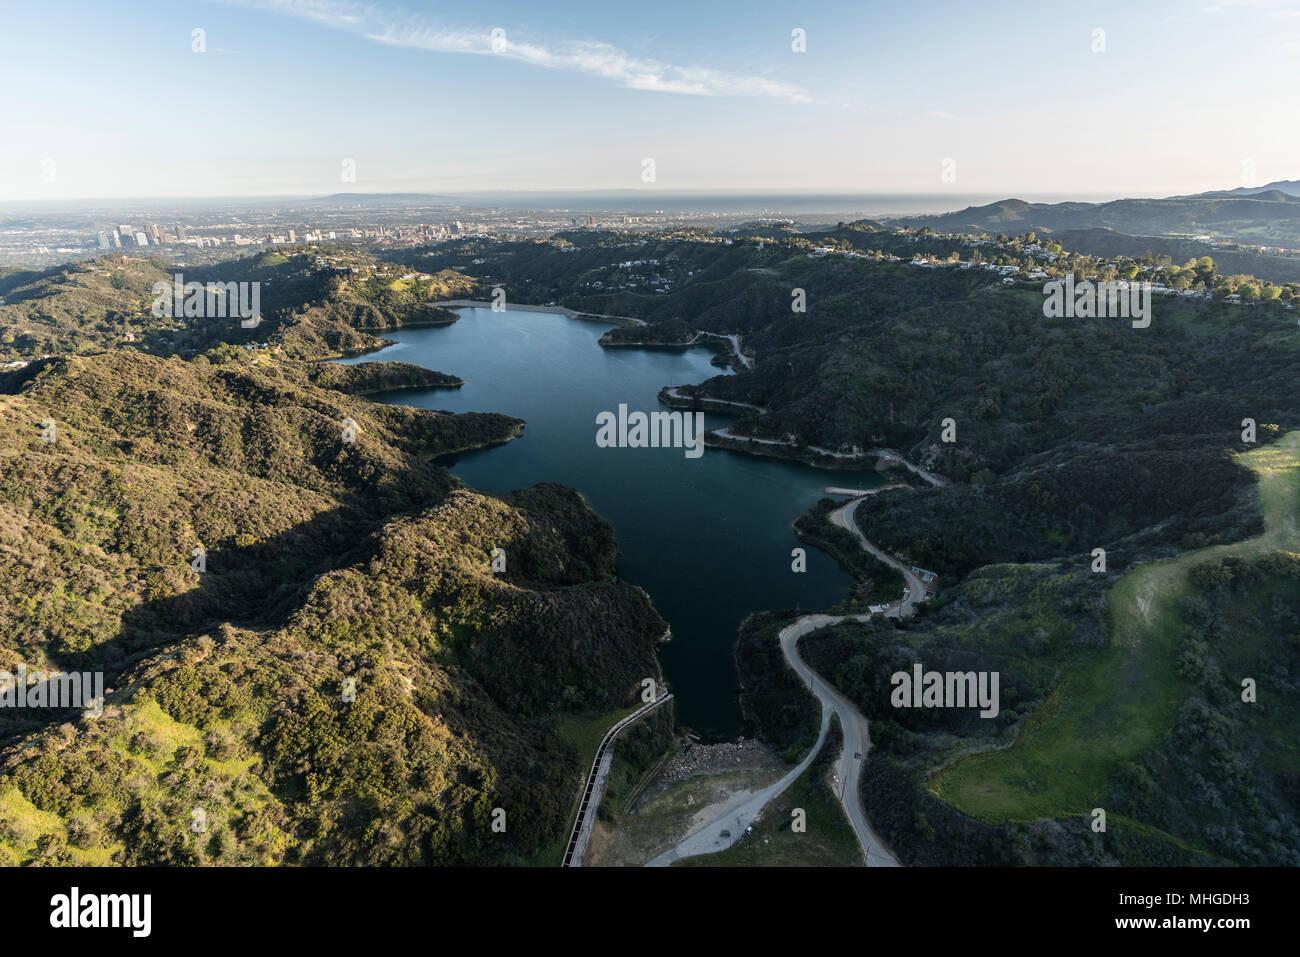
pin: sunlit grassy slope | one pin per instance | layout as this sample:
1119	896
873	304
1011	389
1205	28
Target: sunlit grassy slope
1122	700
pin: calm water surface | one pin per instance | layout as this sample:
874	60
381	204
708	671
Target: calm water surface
708	538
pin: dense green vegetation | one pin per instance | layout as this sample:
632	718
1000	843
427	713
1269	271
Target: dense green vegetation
316	304
1125	700
1085	430
1123	693
1029	622
346	680
877	583
1229	259
329	560
638	752
1264	217
776	705
670	332
368	378
1229	770
1072	435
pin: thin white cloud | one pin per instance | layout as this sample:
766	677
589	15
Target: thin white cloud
592	58
1282	9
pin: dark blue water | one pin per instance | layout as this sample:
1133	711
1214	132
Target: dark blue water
708	538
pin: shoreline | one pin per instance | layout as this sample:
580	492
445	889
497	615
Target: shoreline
648	345
717	439
872	846
366	393
813	455
723	438
515	433
555	310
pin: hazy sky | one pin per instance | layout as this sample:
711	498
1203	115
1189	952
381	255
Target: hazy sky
109	99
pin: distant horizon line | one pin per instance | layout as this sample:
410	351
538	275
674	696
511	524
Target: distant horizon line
639	193
474	197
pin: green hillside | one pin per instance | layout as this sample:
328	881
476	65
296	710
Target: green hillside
326	562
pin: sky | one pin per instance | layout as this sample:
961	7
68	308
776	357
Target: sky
105	99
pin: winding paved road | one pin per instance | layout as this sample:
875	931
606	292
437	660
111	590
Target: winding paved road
708	839
857	739
889	455
674	392
915	592
728	434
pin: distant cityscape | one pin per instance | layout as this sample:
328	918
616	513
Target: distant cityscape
126	236
52	238
198	232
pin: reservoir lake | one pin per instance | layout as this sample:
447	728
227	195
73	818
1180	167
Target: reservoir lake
708	538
